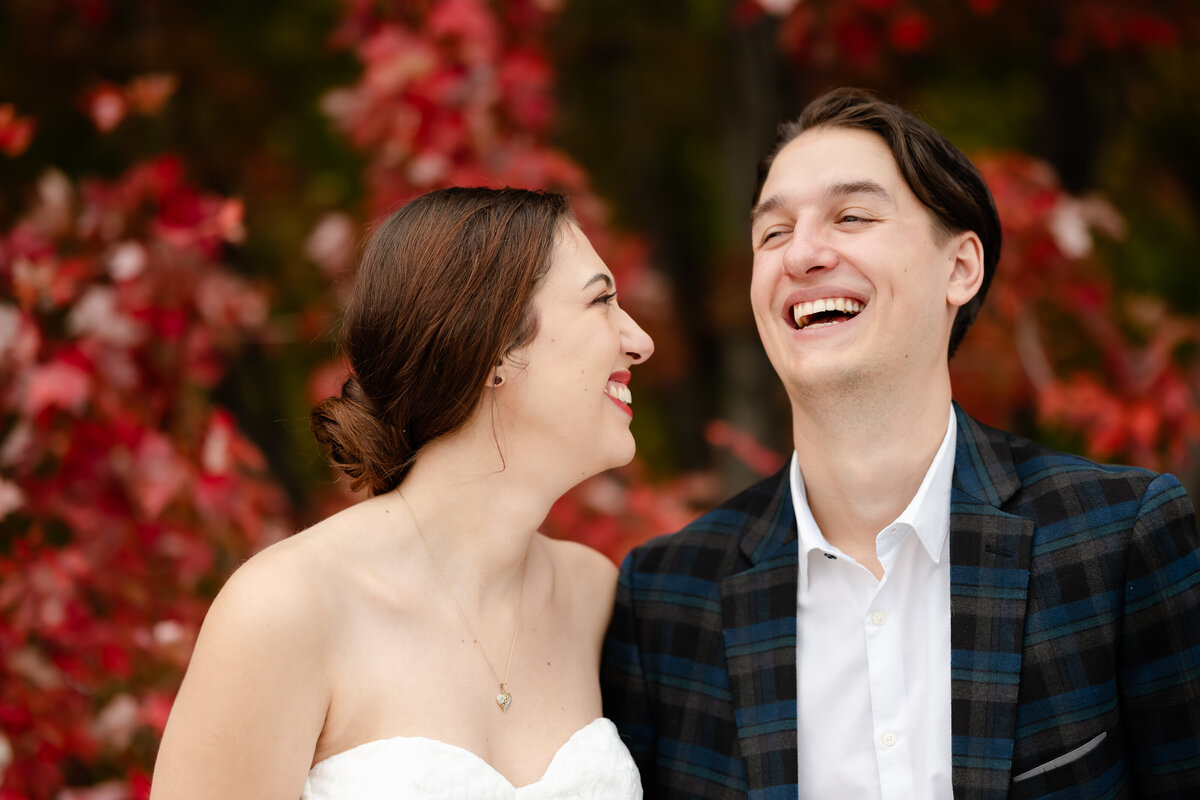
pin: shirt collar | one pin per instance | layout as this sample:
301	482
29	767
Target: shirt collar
928	513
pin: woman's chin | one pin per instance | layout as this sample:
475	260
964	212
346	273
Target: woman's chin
614	457
623	458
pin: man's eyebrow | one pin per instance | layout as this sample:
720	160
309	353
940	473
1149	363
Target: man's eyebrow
839	190
765	207
834	191
599	276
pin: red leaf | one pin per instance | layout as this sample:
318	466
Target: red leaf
15	132
857	42
910	32
56	385
106	105
148	93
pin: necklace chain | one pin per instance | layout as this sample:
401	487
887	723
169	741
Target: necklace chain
504	697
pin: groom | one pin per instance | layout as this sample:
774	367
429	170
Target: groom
919	606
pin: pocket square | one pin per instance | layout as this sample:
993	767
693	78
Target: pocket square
1063	760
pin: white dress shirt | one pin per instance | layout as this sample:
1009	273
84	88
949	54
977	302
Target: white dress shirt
873	656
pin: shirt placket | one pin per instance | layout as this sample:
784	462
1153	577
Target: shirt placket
885	639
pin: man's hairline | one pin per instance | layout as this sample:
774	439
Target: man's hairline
942	232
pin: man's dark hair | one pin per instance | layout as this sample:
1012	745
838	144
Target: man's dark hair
936	171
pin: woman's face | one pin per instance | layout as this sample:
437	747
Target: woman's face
567	392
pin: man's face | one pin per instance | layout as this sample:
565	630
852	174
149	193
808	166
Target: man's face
852	287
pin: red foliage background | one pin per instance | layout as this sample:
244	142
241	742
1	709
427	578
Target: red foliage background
128	490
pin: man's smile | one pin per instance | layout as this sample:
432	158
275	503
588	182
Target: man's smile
826	311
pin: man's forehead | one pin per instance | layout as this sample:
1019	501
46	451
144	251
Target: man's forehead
831	163
840	155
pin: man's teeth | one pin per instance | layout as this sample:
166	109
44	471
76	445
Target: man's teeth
846	305
620	391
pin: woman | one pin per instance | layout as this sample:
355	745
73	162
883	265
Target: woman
428	642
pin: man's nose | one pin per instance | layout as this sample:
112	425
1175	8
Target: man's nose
806	252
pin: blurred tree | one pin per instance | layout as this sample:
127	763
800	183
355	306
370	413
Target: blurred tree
128	490
243	114
183	186
1104	93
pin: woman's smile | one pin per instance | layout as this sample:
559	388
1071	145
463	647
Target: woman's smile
618	390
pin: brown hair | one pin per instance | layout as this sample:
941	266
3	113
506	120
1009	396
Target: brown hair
441	295
936	171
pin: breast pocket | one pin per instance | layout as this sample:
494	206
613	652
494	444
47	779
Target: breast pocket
1094	768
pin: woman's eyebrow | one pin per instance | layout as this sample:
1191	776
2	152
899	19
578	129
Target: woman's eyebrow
599	276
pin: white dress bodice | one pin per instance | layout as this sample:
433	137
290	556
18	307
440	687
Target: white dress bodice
592	765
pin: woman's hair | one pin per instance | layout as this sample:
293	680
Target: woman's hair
936	171
441	295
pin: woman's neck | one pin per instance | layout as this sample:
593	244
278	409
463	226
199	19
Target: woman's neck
477	517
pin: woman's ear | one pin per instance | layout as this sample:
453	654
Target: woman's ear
497	376
966	273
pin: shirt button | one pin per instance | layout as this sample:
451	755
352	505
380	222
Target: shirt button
888	739
878	617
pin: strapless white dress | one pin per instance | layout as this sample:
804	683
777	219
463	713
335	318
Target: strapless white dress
592	765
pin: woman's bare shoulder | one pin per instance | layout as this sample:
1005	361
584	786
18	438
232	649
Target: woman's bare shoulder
254	699
591	577
292	596
581	559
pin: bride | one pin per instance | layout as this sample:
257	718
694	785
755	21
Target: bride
428	641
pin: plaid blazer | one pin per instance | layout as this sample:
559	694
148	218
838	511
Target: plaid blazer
1074	624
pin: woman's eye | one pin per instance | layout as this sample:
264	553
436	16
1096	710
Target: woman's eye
606	298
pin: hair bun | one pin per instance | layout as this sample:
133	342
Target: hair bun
366	448
443	291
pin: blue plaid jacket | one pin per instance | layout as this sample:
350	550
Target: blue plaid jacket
1074	623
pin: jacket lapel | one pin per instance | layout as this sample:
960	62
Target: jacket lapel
990	554
759	616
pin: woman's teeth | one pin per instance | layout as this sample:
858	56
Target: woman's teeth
619	391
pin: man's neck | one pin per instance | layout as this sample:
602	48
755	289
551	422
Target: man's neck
863	460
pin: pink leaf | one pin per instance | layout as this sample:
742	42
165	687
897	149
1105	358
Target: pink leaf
57	384
106	105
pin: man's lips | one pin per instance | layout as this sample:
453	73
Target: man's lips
823	311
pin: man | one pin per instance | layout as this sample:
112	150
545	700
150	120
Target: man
919	606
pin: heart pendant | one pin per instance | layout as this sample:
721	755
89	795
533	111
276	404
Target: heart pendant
504	700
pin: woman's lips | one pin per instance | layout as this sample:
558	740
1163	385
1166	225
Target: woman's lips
617	390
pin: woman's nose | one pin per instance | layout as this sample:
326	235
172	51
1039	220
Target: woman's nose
635	342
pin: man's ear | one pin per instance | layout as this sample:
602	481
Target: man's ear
966	273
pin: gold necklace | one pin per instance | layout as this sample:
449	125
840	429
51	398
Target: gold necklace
503	697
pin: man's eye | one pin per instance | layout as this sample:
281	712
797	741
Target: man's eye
771	234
